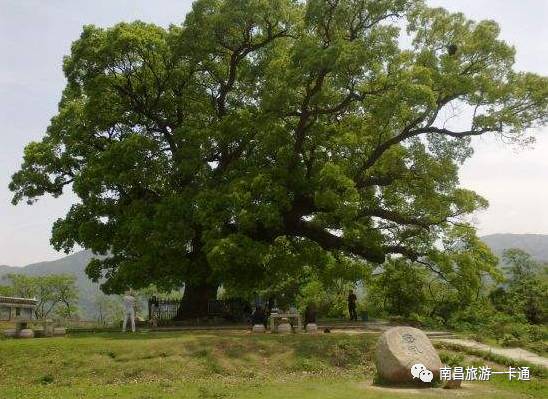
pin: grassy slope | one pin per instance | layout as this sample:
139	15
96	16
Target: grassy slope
207	365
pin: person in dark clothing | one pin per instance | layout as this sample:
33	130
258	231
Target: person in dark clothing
310	314
352	305
247	311
259	317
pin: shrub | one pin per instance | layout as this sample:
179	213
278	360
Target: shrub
46	379
451	359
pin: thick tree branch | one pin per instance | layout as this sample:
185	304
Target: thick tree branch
331	242
402	250
305	117
376	181
408	132
446	132
398	217
236	56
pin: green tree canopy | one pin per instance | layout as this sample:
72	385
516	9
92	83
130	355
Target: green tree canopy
519	266
55	293
526	291
263	136
437	286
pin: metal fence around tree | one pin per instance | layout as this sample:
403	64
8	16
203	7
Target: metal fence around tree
233	310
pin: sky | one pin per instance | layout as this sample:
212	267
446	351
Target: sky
36	34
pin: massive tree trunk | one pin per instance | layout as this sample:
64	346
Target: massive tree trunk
195	301
201	289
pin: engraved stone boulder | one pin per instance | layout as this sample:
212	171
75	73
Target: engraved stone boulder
311	328
258	328
399	348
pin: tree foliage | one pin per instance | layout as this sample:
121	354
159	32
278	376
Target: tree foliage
526	288
56	293
6	290
260	138
435	289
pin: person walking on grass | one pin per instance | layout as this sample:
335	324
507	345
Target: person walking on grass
129	310
352	305
154	311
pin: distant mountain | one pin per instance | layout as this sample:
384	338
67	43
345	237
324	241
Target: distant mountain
534	244
74	264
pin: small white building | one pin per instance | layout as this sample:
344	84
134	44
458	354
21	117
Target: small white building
17	310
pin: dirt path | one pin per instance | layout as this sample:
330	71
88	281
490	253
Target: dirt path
516	354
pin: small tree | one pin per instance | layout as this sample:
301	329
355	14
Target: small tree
54	293
22	285
64	287
519	266
527	290
399	289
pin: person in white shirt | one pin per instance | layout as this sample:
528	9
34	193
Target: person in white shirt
129	310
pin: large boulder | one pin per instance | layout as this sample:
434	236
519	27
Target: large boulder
399	348
10	332
284	327
258	328
26	333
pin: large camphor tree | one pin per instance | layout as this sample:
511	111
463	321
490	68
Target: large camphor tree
261	137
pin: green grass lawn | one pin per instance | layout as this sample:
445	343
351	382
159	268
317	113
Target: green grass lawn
213	365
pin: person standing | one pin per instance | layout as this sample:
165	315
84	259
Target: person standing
259	317
129	310
310	314
352	305
154	311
